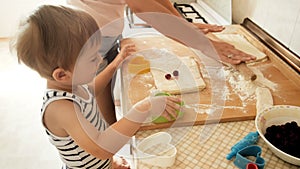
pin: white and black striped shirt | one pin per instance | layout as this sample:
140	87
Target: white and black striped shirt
71	154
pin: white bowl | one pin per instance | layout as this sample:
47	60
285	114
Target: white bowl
278	115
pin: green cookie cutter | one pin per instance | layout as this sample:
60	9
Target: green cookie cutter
161	119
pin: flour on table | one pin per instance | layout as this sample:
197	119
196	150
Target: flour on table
262	81
208	108
258	89
245	89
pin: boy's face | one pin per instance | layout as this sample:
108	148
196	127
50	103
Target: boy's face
87	63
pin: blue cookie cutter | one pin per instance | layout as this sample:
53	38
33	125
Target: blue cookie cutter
250	139
241	159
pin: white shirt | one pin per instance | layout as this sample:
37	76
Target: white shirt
109	14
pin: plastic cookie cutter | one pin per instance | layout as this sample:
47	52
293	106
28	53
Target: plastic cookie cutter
251	166
156	150
242	162
161	119
249	139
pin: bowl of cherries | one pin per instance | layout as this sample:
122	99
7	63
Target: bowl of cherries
279	127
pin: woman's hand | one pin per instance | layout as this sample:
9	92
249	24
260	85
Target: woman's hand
229	54
207	28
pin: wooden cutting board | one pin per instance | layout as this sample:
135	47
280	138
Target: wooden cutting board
235	107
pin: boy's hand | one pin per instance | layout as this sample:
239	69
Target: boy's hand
172	107
126	51
164	106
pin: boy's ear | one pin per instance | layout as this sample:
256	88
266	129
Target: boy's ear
60	74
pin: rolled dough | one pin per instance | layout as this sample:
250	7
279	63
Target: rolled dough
189	79
263	99
241	43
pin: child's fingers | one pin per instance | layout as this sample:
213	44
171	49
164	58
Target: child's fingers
165	106
128	49
172	107
171	112
129	45
131	48
175	100
166	116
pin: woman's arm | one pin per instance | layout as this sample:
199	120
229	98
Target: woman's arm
81	5
167	4
169	24
205	28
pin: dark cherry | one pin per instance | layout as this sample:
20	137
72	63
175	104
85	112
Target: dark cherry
286	137
175	73
168	76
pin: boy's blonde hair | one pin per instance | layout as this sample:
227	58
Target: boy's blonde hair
53	37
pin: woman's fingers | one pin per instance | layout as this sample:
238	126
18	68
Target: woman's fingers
228	53
206	28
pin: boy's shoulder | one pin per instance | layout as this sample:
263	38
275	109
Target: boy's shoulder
57	116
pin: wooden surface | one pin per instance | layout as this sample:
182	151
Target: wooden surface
235	107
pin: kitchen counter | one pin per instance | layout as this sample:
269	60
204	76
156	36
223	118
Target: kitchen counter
210	150
194	153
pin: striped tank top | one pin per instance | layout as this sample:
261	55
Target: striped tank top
70	153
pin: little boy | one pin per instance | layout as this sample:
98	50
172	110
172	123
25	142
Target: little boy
62	45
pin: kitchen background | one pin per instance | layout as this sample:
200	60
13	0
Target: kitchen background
22	139
279	18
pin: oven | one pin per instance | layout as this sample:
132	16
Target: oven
202	12
197	11
188	12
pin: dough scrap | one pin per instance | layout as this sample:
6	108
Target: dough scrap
263	99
